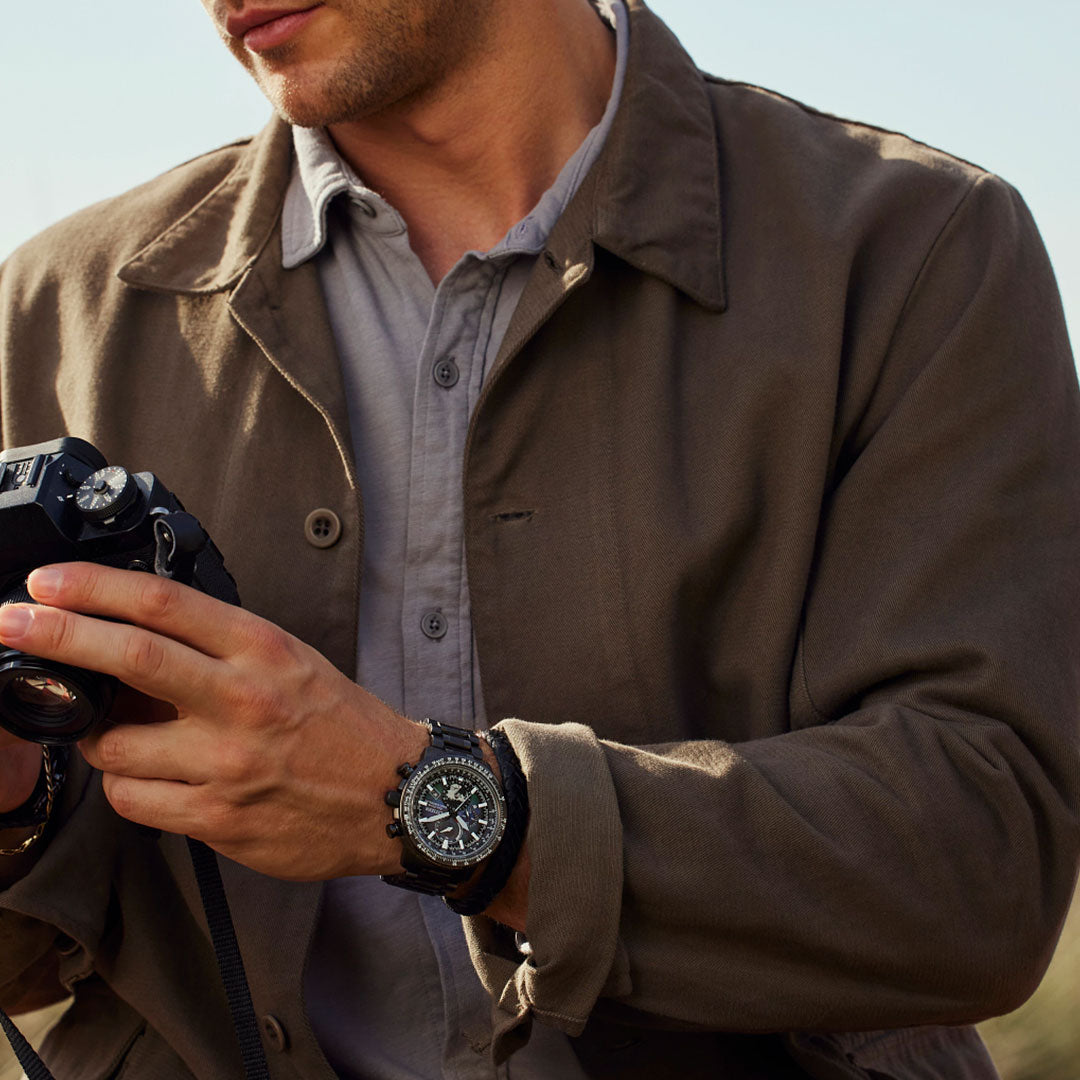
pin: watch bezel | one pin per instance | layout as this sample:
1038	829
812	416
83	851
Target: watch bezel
408	814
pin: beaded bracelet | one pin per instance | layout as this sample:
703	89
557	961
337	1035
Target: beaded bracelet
501	864
37	810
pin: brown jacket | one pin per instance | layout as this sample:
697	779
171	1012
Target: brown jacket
772	503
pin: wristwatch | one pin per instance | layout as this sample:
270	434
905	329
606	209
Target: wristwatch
449	812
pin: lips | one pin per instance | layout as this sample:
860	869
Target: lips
263	28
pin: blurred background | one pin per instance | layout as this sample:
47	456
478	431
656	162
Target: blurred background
100	96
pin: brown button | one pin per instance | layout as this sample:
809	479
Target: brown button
322	528
275	1033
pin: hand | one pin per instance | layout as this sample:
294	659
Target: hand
254	742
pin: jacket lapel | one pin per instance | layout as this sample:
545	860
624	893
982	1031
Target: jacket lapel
230	242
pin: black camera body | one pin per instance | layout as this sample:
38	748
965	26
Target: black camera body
61	501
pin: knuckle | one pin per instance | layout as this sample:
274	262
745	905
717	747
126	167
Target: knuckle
84	583
217	818
142	654
120	793
253	702
111	752
235	762
155	596
60	629
264	639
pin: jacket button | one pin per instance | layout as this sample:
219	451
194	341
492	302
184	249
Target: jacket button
445	373
67	946
434	625
275	1033
322	528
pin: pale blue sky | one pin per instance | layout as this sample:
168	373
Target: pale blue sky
101	94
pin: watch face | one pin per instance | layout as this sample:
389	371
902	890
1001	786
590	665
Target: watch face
453	811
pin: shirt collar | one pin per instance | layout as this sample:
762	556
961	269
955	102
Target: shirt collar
321	174
667	222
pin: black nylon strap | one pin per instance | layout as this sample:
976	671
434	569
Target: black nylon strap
32	1065
222	934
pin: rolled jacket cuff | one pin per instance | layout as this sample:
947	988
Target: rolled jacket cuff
575	891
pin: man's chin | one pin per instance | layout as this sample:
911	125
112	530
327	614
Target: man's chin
297	103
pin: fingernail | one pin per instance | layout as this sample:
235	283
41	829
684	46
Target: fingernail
44	583
15	620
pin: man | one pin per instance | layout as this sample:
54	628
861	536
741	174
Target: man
757	432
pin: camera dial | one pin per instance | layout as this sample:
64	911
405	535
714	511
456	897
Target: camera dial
106	493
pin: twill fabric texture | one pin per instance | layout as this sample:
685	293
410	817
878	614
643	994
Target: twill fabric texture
771	502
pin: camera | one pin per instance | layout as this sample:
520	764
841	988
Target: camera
61	501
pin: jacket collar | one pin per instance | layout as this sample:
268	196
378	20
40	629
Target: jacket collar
209	247
659	206
655	202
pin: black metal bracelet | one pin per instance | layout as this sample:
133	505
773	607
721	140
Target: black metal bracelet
501	863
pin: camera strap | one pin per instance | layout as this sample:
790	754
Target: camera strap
230	964
32	1065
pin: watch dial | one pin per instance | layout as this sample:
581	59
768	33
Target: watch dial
455	813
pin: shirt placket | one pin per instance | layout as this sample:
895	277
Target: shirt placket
436	626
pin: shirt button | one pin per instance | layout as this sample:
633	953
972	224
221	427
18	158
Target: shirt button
275	1033
446	373
434	625
322	528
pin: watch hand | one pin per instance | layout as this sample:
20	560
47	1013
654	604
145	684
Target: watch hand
434	817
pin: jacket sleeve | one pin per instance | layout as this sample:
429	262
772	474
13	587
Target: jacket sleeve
42	913
905	854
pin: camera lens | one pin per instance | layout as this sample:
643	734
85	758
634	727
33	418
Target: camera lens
49	696
51	703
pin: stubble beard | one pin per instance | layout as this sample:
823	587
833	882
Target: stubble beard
400	56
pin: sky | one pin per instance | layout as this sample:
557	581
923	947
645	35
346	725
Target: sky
103	94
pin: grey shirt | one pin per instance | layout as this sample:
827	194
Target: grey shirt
390	988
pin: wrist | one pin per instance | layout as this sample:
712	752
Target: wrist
20	767
30	820
413	740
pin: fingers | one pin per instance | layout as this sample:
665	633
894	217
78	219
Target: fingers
161	804
155	603
151	663
147	752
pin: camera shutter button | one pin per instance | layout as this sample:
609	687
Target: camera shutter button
322	528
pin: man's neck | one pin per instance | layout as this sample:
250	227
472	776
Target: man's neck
464	164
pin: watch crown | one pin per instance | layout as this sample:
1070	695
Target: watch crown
393	798
405	771
393	830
